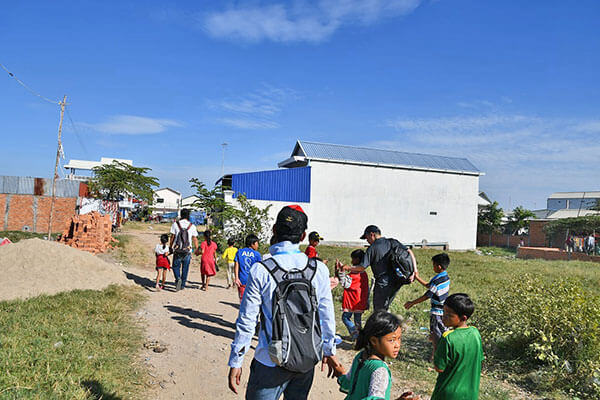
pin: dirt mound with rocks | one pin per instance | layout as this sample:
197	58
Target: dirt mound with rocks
34	266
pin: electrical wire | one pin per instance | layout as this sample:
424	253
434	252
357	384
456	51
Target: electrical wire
85	152
28	88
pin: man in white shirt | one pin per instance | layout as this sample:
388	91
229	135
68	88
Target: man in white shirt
267	381
182	260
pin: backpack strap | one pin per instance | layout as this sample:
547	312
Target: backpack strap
274	269
310	270
179	226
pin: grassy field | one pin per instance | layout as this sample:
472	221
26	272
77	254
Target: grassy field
479	276
74	345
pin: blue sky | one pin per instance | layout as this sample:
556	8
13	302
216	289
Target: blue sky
513	86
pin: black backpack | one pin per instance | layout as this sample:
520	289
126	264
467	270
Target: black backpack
181	246
400	262
296	343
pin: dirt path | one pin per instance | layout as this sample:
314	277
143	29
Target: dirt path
197	328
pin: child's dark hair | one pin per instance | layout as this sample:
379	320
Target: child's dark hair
379	324
442	259
461	304
251	239
164	238
359	254
207	237
230	242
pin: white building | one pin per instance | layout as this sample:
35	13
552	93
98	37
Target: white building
87	166
166	200
415	198
188	202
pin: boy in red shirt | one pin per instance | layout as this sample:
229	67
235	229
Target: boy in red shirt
313	241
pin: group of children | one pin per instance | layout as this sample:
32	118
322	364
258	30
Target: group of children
457	350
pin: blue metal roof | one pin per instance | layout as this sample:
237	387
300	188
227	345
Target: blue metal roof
364	155
276	185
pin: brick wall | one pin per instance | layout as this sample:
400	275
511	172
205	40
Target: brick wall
552	253
499	240
18	211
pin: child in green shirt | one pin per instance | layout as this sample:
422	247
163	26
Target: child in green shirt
369	377
459	353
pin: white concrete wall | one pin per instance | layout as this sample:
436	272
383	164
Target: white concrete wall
345	198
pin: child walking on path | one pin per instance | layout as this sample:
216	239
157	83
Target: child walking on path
208	261
244	259
162	260
229	256
459	353
369	377
437	290
355	299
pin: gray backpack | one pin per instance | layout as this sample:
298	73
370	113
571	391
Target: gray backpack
296	343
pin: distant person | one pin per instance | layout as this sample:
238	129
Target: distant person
208	261
184	239
229	257
570	243
276	369
369	376
591	244
313	241
355	300
162	260
386	285
244	260
459	353
437	291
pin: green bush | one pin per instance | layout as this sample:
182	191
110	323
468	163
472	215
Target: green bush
552	330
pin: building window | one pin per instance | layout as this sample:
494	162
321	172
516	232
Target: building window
432	212
159	200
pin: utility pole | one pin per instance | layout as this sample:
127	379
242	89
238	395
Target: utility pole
223	145
58	151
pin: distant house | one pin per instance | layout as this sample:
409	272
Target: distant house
166	200
188	202
417	198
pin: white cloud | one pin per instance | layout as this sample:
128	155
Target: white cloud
132	125
254	110
300	20
249	123
524	157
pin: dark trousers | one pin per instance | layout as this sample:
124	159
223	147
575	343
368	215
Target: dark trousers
384	292
269	383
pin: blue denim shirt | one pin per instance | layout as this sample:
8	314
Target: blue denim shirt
258	295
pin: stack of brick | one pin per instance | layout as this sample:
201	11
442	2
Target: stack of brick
89	232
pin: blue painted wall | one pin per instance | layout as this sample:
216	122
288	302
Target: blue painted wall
291	184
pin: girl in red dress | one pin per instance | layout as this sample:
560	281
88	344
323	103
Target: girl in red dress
208	261
355	300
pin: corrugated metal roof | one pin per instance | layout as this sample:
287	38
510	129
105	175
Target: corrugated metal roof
26	185
364	155
276	185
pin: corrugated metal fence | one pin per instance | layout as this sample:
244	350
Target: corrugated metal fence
291	184
38	186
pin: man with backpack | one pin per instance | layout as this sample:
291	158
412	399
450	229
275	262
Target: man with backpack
291	294
184	239
393	266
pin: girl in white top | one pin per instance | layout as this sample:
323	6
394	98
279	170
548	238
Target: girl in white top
162	260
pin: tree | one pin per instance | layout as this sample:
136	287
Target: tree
519	219
596	206
118	180
490	218
227	220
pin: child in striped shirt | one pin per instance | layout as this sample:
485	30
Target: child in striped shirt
437	291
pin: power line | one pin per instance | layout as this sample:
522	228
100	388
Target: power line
77	133
28	88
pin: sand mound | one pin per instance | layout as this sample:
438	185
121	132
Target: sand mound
33	267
